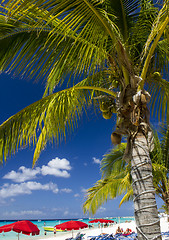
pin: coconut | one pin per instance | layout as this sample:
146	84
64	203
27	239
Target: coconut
104	106
156	75
107	115
116	138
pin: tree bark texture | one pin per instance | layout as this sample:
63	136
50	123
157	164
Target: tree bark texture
146	214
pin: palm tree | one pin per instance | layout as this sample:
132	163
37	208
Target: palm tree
116	181
164	209
116	177
160	157
105	51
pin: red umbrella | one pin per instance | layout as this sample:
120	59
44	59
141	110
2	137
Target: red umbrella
71	225
26	227
101	220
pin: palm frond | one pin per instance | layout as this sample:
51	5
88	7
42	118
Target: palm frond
127	197
159	90
77	15
164	208
157	154
159	172
96	196
124	12
26	50
115	182
158	29
104	189
113	160
50	118
81	33
164	130
161	58
140	29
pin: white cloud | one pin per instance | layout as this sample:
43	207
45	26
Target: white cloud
101	209
83	190
55	209
56	167
76	195
11	190
96	160
60	163
66	190
70	213
66	213
23	174
23	213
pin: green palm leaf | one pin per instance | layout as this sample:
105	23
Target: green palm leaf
116	177
159	89
158	29
111	161
116	180
30	43
104	189
127	197
49	118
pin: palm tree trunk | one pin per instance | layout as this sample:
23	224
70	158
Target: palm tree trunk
146	215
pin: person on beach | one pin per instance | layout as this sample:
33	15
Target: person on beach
119	230
128	231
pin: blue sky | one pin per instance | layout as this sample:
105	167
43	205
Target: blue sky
56	186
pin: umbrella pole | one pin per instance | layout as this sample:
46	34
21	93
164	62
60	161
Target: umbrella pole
72	233
18	236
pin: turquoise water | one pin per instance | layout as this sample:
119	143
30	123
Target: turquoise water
40	223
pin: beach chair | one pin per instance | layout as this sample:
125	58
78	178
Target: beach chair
99	237
165	235
108	237
79	236
131	236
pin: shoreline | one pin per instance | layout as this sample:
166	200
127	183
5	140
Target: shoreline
88	231
97	231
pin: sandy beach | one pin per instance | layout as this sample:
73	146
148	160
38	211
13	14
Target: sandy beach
96	231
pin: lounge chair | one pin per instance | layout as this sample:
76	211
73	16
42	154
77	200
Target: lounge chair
103	237
131	236
79	236
165	235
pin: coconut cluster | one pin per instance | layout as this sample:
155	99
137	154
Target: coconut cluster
107	108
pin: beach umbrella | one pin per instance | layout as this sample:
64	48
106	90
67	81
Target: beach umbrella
101	220
25	227
71	225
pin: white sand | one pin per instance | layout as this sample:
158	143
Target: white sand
89	232
96	231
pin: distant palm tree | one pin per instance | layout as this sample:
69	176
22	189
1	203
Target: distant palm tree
116	178
164	208
160	161
106	51
116	181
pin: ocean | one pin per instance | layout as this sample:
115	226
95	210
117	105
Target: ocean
41	223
